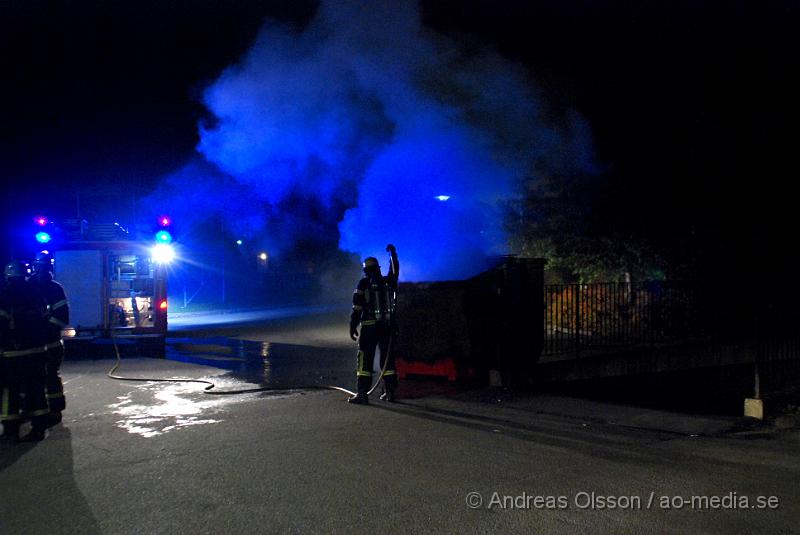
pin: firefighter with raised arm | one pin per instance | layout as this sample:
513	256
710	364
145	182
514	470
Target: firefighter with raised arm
57	319
374	309
22	361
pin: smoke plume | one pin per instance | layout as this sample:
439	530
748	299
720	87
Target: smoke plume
365	128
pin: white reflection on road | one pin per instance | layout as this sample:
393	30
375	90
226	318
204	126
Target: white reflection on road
156	408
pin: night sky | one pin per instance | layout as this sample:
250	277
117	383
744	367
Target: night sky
691	105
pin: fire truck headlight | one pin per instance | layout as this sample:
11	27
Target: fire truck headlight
69	332
163	253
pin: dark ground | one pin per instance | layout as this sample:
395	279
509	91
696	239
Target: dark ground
166	458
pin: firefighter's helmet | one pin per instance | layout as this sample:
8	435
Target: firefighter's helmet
43	261
15	269
370	263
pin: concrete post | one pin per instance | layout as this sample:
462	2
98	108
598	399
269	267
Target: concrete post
754	407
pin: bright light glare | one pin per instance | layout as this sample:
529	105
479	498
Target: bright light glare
263	256
42	237
163	253
239	242
442	198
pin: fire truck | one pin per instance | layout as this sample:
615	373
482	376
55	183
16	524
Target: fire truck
115	281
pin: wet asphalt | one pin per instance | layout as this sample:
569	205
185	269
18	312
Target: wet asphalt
149	457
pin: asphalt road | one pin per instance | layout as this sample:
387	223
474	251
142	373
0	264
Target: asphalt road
165	458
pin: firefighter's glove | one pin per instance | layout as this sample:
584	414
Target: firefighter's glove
354	333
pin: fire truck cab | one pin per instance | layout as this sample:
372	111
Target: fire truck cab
116	287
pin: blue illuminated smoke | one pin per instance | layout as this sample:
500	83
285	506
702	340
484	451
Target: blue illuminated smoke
350	129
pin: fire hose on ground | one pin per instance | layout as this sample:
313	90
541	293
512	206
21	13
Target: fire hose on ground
210	386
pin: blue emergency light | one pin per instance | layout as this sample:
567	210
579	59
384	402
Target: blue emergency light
163	236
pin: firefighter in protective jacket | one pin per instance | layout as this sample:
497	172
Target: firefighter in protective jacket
22	361
57	319
374	308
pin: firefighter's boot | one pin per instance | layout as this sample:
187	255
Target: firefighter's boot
364	383
389	386
358	399
388	394
36	434
53	418
38	429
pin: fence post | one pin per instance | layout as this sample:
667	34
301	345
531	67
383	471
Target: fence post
651	313
577	321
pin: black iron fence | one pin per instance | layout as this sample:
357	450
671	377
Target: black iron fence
617	314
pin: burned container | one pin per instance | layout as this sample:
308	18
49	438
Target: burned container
464	329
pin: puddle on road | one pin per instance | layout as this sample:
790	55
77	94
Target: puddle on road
155	408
